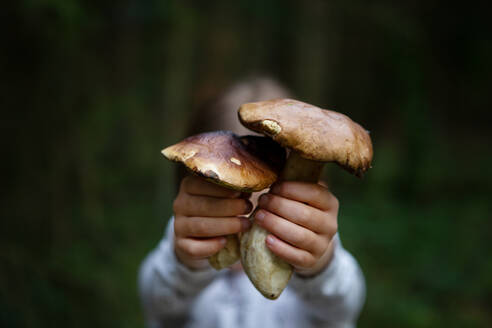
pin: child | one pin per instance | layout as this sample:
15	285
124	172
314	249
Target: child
179	289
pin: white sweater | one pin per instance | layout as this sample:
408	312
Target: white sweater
174	296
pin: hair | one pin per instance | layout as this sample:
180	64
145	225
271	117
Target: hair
220	112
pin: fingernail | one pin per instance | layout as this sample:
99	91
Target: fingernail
223	241
249	207
270	240
245	224
260	215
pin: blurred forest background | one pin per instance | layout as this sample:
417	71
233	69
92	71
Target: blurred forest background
91	91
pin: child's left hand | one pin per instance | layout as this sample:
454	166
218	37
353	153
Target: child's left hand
302	220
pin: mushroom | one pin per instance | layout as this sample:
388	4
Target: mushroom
314	136
246	164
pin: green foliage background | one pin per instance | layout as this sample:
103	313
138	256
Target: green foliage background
92	90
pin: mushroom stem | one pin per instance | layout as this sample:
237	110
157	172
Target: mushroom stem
268	273
227	256
298	168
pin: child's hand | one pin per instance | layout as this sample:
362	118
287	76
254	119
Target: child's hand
203	213
302	220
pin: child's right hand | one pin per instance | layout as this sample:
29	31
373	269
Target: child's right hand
203	214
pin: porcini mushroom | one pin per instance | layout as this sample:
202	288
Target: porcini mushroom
246	164
314	136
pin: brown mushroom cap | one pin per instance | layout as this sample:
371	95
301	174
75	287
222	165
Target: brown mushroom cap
316	134
235	162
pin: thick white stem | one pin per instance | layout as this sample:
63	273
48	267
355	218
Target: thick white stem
268	273
227	256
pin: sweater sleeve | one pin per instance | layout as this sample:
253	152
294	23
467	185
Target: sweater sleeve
168	288
334	297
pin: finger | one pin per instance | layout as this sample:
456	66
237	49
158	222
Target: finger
298	213
296	257
310	193
197	186
209	227
200	248
211	206
291	233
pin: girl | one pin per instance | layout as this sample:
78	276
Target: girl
179	289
